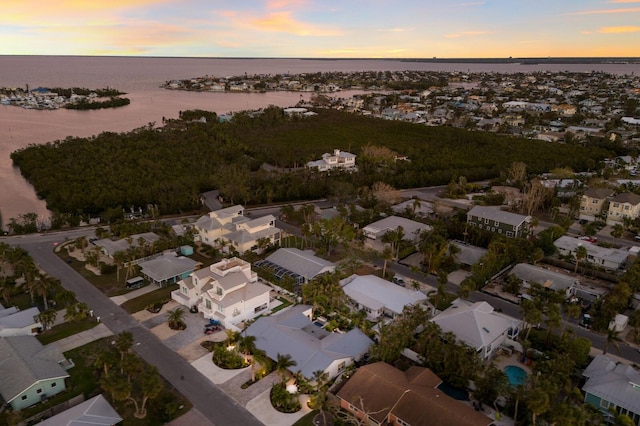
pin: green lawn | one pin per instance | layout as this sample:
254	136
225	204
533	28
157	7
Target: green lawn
139	303
65	330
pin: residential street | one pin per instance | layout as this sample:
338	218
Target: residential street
206	397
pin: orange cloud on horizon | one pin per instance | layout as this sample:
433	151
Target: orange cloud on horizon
618	30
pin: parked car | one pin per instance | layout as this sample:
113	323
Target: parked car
210	329
586	321
637	237
398	280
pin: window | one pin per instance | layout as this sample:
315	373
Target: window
54	384
495	222
486	221
24	397
594	201
626	207
38	390
616	205
604	403
184	290
207	303
341	366
219	291
509	234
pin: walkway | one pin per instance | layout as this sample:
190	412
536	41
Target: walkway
82	338
119	300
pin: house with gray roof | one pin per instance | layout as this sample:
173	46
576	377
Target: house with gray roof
16	322
545	277
301	265
110	247
93	412
30	372
612	386
167	269
293	332
379	297
341	160
376	230
478	325
603	257
494	219
468	255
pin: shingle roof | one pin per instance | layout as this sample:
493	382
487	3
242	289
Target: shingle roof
24	362
391	223
413	397
598	193
497	214
12	318
627	197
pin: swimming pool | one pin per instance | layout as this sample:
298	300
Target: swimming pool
515	375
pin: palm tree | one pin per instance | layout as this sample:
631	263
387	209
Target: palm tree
283	363
247	345
537	402
76	312
40	286
259	357
123	343
46	318
387	254
175	318
581	253
105	360
232	337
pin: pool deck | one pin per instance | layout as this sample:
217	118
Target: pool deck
502	361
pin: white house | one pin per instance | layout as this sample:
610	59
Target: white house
229	227
607	258
14	322
376	230
338	160
478	325
292	332
379	297
228	291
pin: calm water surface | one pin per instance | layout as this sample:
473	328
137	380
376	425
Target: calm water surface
141	78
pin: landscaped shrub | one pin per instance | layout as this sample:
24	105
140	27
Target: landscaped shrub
225	358
284	401
208	345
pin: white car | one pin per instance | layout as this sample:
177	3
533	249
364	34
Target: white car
397	279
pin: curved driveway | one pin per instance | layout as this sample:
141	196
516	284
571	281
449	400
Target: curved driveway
206	397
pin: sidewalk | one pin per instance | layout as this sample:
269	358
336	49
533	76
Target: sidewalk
81	339
119	300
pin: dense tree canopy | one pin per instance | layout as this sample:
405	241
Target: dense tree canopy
170	167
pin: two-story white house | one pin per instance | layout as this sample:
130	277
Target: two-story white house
228	291
230	229
338	160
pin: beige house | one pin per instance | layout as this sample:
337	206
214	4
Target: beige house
593	202
228	291
230	229
623	205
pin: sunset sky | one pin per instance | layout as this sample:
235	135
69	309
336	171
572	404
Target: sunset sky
321	28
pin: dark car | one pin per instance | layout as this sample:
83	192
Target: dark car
210	329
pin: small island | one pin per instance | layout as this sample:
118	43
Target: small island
54	98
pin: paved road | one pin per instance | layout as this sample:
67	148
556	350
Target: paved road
206	397
598	341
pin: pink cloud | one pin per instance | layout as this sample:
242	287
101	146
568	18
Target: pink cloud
607	11
283	22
